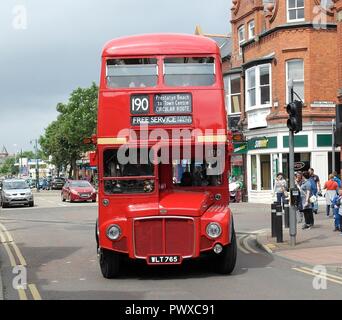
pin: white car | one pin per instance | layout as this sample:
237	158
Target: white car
15	192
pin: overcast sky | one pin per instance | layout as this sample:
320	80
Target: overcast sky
48	48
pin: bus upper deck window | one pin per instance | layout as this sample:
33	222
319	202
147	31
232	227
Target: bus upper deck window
132	73
187	71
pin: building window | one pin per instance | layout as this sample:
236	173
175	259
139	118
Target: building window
241	34
251	90
233	94
295	74
295	10
265	167
258	87
254	172
251	30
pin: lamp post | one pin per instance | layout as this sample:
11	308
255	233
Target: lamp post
37	163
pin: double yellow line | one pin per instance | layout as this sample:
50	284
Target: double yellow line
314	273
7	241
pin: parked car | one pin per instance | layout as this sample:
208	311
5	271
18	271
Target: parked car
57	183
15	192
31	183
78	190
43	184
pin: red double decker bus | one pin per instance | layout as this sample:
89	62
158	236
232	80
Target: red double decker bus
163	153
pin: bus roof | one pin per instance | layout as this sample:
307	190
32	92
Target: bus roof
160	44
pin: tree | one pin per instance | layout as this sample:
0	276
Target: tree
63	138
27	154
8	167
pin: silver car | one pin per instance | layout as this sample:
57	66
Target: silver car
15	192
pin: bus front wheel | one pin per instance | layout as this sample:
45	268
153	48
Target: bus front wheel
227	259
109	263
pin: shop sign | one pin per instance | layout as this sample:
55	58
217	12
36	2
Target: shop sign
240	148
262	143
323	104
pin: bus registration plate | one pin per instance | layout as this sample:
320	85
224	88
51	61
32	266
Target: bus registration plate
174	259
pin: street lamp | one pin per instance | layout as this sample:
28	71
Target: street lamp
37	162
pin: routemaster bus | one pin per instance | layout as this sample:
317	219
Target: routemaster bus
163	154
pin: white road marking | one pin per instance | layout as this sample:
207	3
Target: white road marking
317	275
247	246
239	245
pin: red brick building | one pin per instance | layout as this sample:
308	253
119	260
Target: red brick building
276	43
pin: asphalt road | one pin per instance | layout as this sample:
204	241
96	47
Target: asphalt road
56	242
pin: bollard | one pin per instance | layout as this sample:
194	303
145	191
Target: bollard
273	219
286	213
279	223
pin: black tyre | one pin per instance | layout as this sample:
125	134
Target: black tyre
109	263
97	238
4	205
31	204
227	258
62	197
93	200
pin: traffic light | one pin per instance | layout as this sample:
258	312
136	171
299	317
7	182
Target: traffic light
295	121
338	131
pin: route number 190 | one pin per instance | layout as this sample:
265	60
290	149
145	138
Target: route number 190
140	104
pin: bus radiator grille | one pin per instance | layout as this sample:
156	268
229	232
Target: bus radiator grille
164	236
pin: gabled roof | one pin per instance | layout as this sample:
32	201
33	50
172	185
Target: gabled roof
223	41
4	152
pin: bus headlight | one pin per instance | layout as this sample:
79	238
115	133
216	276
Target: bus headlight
213	230
113	232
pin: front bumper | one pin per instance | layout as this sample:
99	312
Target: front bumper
166	235
78	198
13	201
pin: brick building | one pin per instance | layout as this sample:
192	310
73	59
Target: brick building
275	43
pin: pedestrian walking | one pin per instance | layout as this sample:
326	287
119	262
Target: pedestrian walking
337	179
315	188
280	188
299	207
306	195
336	203
331	187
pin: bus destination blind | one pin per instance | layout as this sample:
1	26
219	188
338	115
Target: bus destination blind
172	103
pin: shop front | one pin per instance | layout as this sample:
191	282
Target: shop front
269	155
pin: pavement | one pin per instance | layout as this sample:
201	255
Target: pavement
319	245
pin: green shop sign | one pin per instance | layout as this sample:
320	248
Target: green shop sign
240	147
262	143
